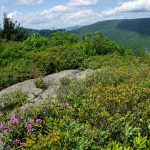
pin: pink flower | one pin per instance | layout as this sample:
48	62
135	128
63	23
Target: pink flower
14	121
29	127
38	121
2	126
22	143
16	141
8	130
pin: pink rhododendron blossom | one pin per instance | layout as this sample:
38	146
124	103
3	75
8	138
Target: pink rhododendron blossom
38	121
14	121
16	141
2	126
8	130
29	127
22	144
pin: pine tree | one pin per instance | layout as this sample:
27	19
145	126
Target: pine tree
11	30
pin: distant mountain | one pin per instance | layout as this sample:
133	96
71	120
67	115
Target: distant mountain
131	33
72	27
43	32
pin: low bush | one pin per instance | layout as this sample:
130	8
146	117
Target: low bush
101	45
18	71
111	60
35	43
107	110
39	83
62	38
12	100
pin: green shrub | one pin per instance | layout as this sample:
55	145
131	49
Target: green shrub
40	83
102	46
11	51
65	57
12	100
18	71
35	43
62	38
111	60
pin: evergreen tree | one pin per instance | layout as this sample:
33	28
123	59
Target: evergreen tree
11	30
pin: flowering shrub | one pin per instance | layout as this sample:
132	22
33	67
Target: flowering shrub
14	131
110	109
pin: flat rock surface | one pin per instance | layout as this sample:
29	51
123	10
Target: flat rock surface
53	82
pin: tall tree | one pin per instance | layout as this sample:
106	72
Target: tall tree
11	30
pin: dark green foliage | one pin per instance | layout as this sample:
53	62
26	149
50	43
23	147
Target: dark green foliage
11	51
17	71
101	46
62	38
35	42
39	83
65	57
11	30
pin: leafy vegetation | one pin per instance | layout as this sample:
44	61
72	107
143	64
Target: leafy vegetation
107	110
38	55
12	100
39	83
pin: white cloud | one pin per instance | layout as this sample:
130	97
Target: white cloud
59	16
82	2
15	14
30	2
80	12
134	6
129	6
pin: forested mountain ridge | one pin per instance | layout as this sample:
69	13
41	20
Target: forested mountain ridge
131	33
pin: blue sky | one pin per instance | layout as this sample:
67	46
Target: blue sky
48	14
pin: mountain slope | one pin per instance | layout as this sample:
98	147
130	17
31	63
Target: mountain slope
131	33
73	27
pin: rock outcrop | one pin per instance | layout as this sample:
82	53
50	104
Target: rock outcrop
53	81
